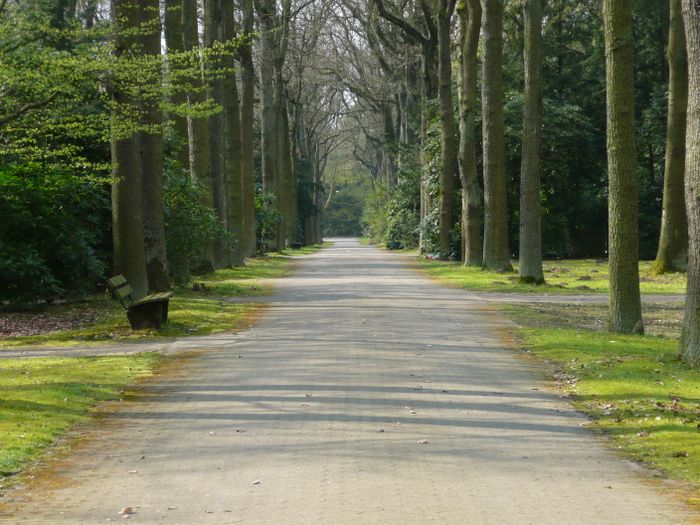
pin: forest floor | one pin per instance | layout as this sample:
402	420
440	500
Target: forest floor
215	302
366	393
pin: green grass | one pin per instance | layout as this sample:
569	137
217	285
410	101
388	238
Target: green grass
191	312
633	387
573	276
41	399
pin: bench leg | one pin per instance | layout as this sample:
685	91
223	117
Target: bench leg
164	311
149	315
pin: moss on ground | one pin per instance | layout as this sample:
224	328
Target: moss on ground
573	276
633	387
43	398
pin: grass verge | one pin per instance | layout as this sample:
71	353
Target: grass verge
633	387
573	276
43	398
204	311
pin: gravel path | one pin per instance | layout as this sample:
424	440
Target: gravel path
367	394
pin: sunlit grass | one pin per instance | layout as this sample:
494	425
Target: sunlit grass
41	399
572	276
633	387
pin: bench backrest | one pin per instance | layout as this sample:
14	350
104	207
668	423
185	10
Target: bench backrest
121	289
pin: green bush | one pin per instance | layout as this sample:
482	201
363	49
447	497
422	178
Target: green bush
190	226
374	215
266	219
51	233
404	212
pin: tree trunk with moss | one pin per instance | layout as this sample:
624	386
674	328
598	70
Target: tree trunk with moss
232	147
672	255
470	27
284	171
247	121
127	214
623	205
530	213
496	253
175	46
690	335
198	126
268	120
151	143
213	35
448	159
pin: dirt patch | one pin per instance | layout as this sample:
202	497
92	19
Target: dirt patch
53	319
663	318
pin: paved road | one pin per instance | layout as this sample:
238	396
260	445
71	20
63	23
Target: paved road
366	394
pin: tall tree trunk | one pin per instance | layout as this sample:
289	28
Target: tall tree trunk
389	140
266	14
247	130
496	256
690	335
470	27
151	142
284	171
198	127
213	33
530	213
175	45
127	214
232	149
287	179
672	255
623	205
447	122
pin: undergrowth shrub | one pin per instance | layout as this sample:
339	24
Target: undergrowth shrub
51	233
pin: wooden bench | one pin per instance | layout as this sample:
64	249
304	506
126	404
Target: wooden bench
148	312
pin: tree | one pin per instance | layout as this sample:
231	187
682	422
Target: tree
623	212
174	41
267	10
496	256
232	148
214	65
530	214
445	9
151	154
673	242
690	335
247	128
127	215
198	116
470	26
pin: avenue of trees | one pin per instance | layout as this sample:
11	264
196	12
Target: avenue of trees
163	138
